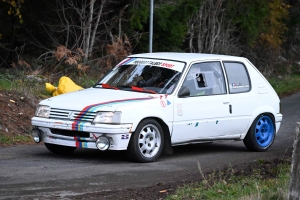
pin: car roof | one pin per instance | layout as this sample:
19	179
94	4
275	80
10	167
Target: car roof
186	57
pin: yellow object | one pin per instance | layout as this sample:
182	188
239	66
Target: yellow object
65	85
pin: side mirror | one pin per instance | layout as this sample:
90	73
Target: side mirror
184	92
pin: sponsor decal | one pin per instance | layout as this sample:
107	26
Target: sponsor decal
154	63
165	102
238	85
178	66
180	112
162	103
125	137
179	109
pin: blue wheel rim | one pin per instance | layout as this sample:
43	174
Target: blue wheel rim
264	131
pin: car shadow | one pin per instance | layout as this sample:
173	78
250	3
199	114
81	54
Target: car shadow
108	157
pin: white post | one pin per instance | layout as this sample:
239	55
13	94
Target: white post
151	26
294	192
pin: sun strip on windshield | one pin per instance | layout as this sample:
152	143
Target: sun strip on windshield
174	65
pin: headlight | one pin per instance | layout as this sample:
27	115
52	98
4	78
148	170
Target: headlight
107	118
42	111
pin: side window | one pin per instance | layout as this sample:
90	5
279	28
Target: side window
237	76
205	79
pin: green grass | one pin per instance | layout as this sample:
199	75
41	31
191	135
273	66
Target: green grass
285	84
6	140
6	82
226	185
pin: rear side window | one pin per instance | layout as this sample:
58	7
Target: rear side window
205	79
238	78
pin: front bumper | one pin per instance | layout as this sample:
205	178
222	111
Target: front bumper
278	121
82	135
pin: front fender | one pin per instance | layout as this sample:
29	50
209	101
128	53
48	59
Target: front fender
150	114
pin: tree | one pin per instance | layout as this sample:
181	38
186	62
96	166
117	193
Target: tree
82	27
169	26
210	30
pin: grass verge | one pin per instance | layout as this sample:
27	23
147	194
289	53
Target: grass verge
286	84
264	180
7	140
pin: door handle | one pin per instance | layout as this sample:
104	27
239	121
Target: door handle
230	109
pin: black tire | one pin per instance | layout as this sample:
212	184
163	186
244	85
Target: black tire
261	134
58	149
146	143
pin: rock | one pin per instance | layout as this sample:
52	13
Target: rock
36	78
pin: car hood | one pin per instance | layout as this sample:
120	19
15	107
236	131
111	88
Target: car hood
95	99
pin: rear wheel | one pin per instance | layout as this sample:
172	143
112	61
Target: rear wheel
261	134
147	141
58	149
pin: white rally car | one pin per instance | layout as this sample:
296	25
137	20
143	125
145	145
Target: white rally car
151	102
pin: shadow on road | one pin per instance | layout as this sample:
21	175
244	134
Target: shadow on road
110	157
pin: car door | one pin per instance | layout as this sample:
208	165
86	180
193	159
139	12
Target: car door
205	112
243	103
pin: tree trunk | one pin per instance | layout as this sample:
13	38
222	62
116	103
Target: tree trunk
89	30
96	27
294	192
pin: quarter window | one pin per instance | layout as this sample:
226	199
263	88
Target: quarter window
237	76
205	79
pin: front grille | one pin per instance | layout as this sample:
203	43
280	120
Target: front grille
71	115
88	116
70	133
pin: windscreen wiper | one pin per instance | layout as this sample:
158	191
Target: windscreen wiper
134	88
107	86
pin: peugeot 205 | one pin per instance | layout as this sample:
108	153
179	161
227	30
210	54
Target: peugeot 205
150	102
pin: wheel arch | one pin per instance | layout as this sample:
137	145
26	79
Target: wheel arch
167	148
271	114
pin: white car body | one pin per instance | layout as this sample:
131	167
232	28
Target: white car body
227	115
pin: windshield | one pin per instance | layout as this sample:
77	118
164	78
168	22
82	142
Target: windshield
150	75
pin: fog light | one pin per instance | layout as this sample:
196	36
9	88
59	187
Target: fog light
102	143
36	134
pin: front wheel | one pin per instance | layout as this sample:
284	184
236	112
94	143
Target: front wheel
147	141
261	134
58	149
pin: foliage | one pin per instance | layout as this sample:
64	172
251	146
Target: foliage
274	24
260	21
138	14
14	8
169	23
269	26
248	16
230	185
116	52
69	57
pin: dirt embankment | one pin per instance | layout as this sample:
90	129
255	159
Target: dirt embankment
16	111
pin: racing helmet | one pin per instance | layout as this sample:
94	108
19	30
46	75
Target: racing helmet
150	75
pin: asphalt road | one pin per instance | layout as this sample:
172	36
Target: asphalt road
31	171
